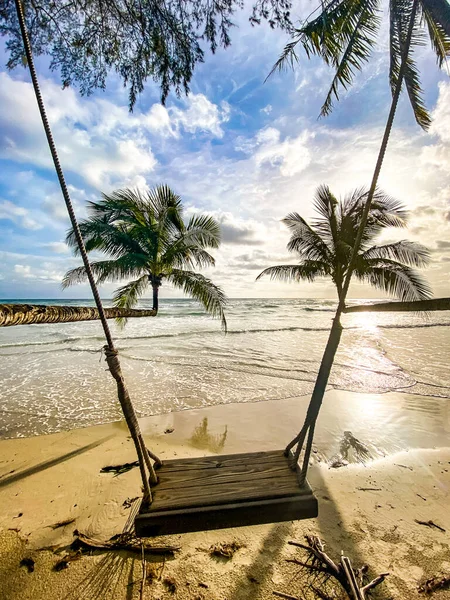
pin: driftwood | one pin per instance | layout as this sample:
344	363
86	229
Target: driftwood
122	541
27	314
441	582
430	524
417	305
323	568
119	469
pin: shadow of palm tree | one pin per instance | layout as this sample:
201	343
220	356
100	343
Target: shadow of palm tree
51	463
330	522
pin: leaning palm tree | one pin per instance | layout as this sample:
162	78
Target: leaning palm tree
146	238
339	243
325	248
344	35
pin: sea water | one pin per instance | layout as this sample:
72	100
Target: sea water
54	377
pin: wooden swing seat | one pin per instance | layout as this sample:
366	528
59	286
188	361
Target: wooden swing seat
214	492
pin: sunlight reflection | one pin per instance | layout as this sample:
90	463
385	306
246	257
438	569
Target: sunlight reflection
366	321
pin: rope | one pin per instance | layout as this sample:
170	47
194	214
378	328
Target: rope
124	398
336	328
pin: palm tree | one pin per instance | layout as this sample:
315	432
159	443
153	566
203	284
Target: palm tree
338	244
343	35
147	239
27	314
325	247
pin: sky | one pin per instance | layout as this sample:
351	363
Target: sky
242	149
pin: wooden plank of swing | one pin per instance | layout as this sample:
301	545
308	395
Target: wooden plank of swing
214	492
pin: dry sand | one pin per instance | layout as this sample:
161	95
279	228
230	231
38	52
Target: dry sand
52	478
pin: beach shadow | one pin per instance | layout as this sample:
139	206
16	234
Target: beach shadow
103	579
51	463
329	520
256	574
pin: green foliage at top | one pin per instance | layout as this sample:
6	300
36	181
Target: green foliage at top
146	239
138	39
344	35
325	247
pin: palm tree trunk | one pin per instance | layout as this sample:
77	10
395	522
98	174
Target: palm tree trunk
155	287
415	306
336	328
111	352
27	314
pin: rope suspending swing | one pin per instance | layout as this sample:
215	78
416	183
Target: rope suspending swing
111	354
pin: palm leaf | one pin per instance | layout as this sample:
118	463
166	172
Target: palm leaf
203	290
104	270
128	295
397	280
308	270
357	52
439	38
409	253
439	10
304	240
400	16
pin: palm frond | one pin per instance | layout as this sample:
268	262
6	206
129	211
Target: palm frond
304	240
440	40
128	295
99	234
309	270
439	11
203	290
204	231
400	16
404	251
396	279
358	51
129	265
326	205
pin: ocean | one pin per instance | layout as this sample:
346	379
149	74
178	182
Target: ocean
54	377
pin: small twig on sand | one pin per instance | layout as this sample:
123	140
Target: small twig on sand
61	523
144	571
374	582
369	489
430	524
404	466
287	596
434	583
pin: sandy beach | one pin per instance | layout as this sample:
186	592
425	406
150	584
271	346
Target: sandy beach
368	511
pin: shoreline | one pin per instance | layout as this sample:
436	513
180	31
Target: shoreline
386	422
368	511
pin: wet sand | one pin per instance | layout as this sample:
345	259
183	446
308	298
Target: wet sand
368	511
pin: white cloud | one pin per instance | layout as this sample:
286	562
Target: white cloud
267	109
23	271
45	273
18	215
201	114
96	139
57	247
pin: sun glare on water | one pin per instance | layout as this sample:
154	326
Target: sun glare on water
366	321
